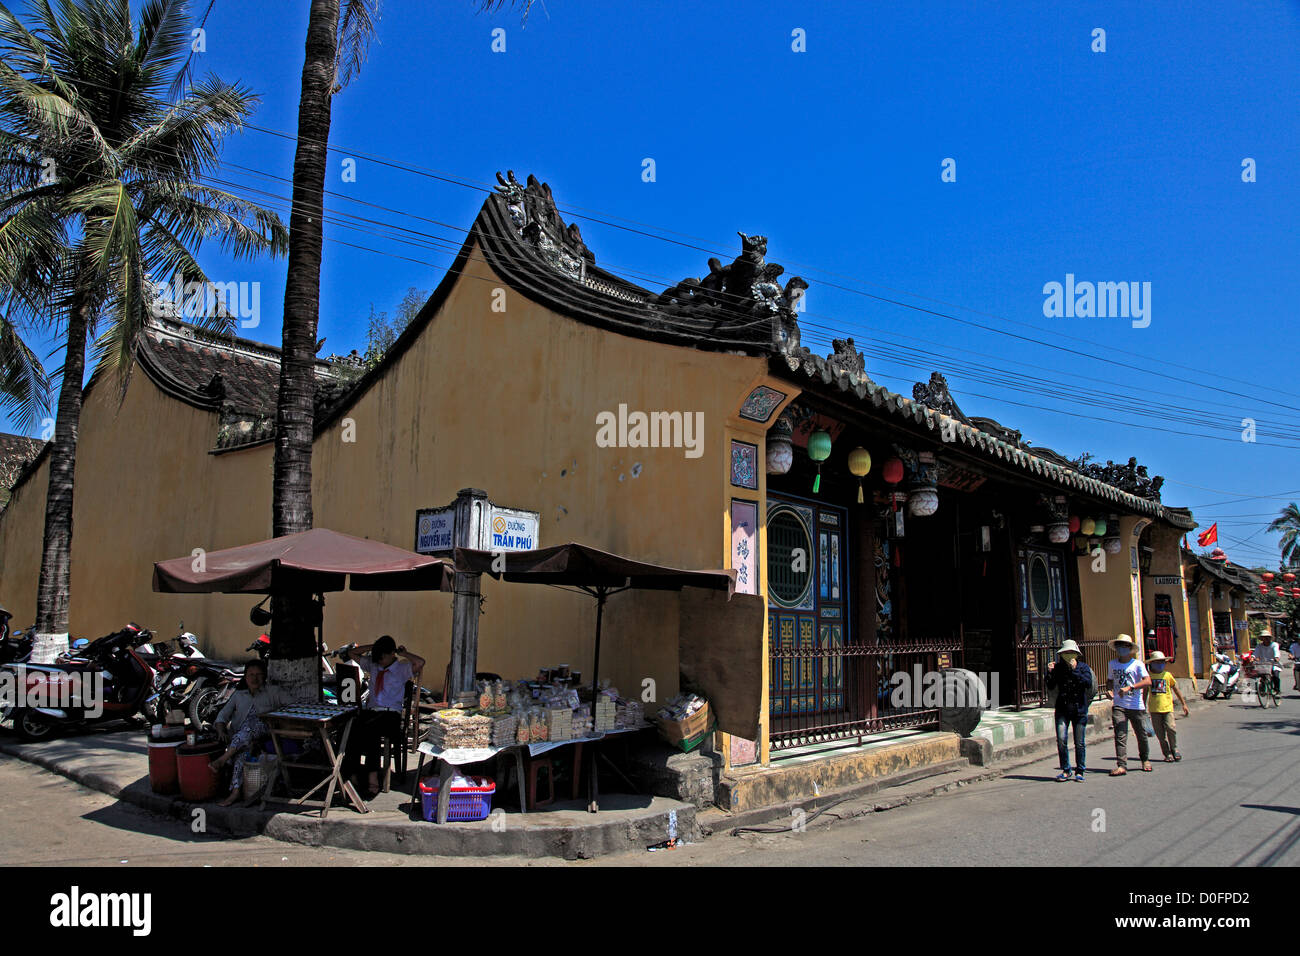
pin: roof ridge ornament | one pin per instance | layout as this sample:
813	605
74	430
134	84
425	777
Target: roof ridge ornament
538	222
938	396
745	289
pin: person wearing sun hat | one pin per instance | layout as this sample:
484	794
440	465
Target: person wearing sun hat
1128	677
1075	687
1160	704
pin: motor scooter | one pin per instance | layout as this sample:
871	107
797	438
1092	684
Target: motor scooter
106	680
1223	677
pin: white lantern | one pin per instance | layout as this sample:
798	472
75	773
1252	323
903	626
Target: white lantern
923	502
1059	532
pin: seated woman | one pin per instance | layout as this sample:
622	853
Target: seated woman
244	713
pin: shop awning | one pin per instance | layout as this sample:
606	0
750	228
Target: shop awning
311	561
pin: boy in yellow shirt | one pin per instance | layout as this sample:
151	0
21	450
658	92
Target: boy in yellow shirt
1160	704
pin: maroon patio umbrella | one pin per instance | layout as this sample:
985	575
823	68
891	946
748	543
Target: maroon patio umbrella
313	561
594	572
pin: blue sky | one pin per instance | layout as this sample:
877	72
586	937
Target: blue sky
1123	165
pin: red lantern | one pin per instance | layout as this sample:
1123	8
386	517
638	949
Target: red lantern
893	471
1288	577
1267	575
1295	592
1279	590
1074	524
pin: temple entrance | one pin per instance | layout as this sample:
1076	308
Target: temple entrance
808	609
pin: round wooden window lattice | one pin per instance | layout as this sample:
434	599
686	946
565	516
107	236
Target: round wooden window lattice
1040	585
786	531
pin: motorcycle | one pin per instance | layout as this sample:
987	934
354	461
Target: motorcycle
106	679
193	684
1224	677
15	647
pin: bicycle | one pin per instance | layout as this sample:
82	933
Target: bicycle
1265	686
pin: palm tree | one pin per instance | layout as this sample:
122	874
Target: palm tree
101	166
1288	522
338	34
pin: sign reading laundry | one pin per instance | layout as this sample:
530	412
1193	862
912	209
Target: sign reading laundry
638	429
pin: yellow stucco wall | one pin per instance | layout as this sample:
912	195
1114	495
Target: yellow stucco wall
1106	596
507	401
146	489
503	401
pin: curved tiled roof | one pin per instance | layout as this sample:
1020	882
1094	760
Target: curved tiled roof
922	417
551	266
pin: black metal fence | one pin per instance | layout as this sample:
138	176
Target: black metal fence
1034	656
847	692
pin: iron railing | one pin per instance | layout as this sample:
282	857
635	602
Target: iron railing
847	692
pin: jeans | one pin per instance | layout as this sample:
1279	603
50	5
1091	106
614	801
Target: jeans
1063	724
1120	719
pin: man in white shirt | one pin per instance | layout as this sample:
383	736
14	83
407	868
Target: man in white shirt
1268	652
388	667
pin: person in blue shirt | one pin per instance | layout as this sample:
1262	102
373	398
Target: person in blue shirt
1075	686
1128	677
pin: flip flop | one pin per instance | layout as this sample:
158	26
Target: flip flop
1146	766
1119	772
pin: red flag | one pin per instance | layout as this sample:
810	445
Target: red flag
1209	536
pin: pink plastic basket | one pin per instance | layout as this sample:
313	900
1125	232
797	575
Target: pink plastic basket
467	803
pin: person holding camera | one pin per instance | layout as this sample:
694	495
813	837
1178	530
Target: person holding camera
1075	686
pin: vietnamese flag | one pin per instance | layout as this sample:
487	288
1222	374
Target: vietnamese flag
1209	536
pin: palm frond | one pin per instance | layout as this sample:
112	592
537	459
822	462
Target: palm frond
358	22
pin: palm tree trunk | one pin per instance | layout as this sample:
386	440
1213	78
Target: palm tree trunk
53	590
293	650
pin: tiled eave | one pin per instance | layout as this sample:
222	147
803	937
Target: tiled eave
922	418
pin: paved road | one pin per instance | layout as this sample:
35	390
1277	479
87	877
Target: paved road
1234	800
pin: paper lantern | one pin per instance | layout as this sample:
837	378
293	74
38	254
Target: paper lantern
1267	575
923	502
1080	543
780	447
859	465
1279	589
1087	526
1099	527
819	449
1295	592
1218	555
1288	577
893	471
1058	532
1074	524
1113	545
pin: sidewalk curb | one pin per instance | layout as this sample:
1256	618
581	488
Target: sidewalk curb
401	835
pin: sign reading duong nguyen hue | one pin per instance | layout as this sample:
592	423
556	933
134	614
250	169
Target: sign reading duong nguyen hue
435	530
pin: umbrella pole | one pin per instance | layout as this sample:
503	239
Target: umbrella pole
593	790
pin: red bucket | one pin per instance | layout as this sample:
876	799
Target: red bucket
197	782
162	765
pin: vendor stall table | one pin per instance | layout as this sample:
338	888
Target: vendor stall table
315	721
459	756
